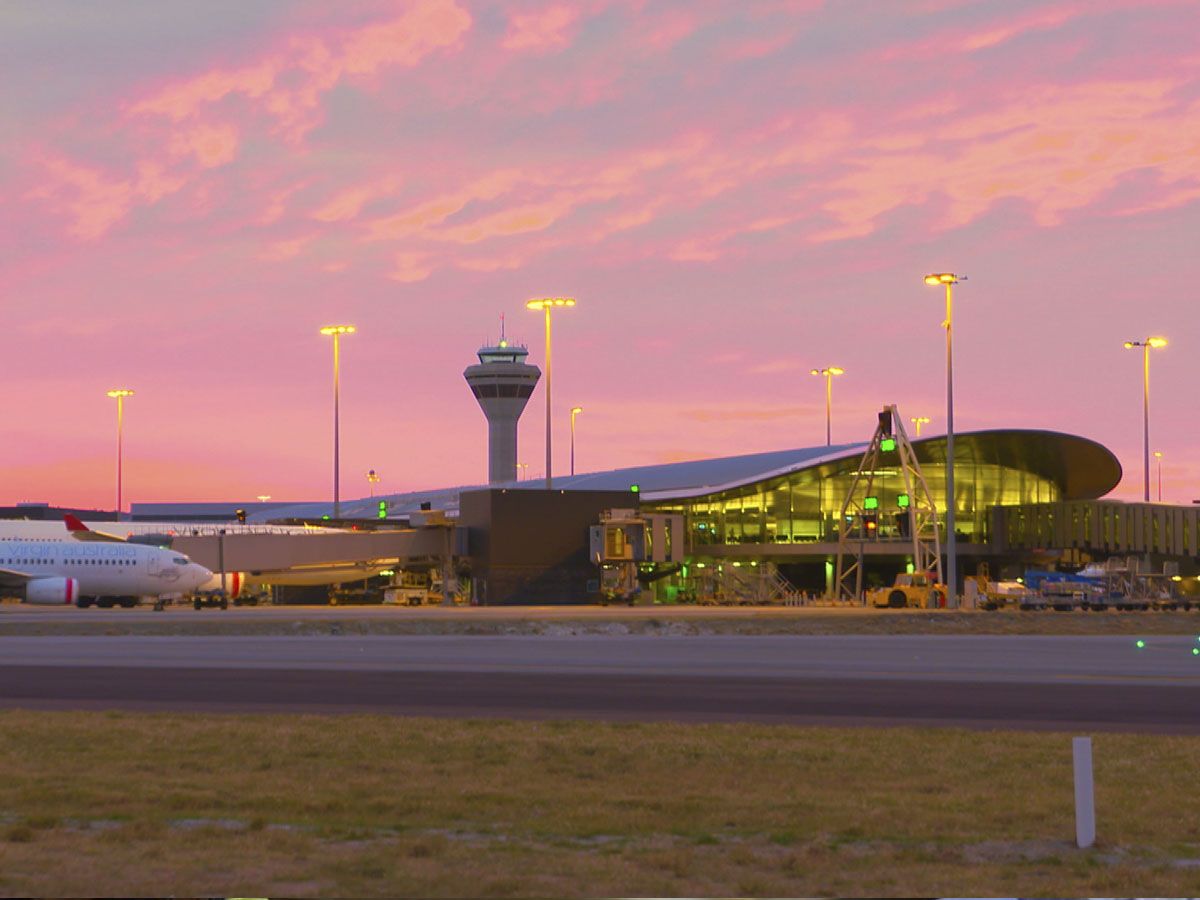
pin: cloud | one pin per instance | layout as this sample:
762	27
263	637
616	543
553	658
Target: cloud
280	251
94	201
288	83
410	267
543	31
210	144
965	39
348	203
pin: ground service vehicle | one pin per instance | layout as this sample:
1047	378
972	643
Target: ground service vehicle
916	589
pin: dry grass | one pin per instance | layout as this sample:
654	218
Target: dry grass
564	621
123	803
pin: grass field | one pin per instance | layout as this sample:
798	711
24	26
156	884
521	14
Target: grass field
124	803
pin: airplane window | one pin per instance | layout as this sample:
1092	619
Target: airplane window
180	561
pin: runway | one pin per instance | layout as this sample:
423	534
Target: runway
1101	683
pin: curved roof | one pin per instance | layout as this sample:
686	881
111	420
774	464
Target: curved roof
1082	468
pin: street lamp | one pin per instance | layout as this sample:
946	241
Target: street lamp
949	279
546	304
575	410
373	479
521	467
1146	345
119	394
263	498
1158	457
918	421
828	373
336	331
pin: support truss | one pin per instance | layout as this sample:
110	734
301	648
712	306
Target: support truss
887	471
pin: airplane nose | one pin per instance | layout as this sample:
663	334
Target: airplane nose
200	574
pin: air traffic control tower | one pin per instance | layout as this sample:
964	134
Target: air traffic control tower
502	382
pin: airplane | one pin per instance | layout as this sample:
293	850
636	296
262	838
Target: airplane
85	567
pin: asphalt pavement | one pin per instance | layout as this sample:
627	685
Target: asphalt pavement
977	681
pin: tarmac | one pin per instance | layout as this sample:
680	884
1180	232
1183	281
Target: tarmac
1010	681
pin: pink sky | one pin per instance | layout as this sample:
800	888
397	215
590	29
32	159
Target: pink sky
735	193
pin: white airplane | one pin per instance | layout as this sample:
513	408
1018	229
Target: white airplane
85	567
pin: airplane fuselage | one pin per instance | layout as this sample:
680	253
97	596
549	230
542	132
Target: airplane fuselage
103	569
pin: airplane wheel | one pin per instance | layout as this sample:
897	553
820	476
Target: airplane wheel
196	604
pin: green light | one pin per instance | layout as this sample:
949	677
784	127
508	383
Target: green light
383	509
870	503
635	488
683	571
902	501
1196	651
887	445
324	518
1141	644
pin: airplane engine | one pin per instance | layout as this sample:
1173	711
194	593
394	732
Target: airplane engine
57	591
236	584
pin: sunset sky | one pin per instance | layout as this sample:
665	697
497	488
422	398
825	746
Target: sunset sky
735	192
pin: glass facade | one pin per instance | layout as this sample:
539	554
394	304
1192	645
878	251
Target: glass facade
804	506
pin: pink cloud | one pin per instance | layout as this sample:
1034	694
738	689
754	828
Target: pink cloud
427	26
508	222
493	263
542	31
94	201
410	267
348	203
284	250
289	83
968	39
1055	149
180	100
211	144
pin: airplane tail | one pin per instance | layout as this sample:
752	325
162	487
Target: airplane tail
81	532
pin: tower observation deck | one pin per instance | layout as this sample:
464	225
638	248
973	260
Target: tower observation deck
502	382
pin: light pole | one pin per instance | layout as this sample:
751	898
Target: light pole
336	331
119	394
263	498
918	421
1146	345
1158	457
575	410
372	479
546	304
828	373
949	279
521	467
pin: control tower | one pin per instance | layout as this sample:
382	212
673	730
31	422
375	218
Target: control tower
502	382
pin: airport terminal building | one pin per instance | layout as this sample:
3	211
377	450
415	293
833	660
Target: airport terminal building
1021	497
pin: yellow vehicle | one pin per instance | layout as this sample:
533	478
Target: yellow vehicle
917	589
